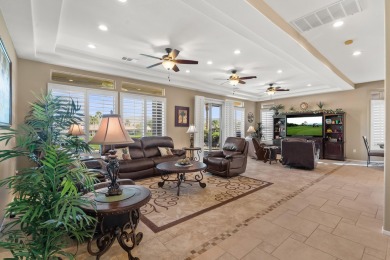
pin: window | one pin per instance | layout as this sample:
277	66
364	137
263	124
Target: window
377	124
267	123
143	115
239	121
94	103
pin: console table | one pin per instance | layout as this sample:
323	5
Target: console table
118	218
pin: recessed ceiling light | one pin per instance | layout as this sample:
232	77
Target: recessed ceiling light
102	27
338	24
138	89
237	51
210	62
188	71
122	1
71	80
356	53
91	46
309	85
280	71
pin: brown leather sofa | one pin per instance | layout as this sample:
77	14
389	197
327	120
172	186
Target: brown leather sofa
145	155
299	153
231	161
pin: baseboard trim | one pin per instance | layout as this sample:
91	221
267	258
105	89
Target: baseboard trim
385	232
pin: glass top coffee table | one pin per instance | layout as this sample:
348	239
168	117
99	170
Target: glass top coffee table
167	168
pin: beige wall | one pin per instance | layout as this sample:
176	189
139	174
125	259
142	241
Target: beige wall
386	221
34	77
7	168
355	103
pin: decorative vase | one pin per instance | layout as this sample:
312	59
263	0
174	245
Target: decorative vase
126	156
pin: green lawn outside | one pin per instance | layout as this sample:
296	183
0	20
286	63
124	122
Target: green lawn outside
304	130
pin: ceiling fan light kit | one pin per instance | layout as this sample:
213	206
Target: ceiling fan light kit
169	60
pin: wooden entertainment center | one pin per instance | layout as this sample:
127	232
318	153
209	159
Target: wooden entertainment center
331	143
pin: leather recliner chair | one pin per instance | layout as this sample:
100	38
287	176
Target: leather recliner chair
299	153
231	161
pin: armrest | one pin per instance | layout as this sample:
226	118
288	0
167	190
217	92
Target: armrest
233	156
215	154
178	152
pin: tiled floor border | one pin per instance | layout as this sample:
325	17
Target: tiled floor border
228	233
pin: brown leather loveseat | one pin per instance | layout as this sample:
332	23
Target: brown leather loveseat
145	155
231	161
299	153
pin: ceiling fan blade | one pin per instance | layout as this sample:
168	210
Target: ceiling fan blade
186	61
281	89
172	53
249	77
220	79
175	68
154	65
150	56
241	82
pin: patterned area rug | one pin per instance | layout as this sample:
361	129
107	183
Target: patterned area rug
165	209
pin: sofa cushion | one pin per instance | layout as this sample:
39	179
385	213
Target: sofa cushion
168	158
135	165
150	144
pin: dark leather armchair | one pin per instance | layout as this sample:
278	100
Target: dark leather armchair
259	149
231	161
299	153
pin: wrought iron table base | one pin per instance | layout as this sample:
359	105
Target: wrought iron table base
182	178
117	229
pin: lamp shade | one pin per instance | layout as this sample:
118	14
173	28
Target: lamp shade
75	130
191	129
111	131
251	129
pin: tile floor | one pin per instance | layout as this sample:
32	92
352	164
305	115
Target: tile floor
334	212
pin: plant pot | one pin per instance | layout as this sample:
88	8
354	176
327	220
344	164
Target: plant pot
126	156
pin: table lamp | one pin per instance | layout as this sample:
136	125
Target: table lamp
251	130
112	131
75	130
191	130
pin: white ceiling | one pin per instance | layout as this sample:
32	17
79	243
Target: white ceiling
58	32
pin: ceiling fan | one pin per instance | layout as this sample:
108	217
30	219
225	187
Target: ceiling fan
234	79
271	89
169	60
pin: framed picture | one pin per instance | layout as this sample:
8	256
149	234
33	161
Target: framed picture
5	87
182	116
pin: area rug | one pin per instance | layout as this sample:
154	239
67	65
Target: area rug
165	209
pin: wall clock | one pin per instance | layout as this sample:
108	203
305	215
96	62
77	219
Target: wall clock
304	105
250	117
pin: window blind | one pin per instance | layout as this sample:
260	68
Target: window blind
377	124
143	115
267	123
94	103
239	121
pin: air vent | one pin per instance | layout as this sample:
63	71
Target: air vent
327	14
129	59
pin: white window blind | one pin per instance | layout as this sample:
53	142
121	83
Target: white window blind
94	103
377	124
143	115
239	121
267	123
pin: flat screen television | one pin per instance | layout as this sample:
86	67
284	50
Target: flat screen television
304	125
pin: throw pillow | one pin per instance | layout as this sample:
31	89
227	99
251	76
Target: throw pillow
230	148
165	151
123	153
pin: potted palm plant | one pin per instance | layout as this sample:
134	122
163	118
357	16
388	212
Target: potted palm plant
47	200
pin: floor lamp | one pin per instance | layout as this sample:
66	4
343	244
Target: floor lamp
111	132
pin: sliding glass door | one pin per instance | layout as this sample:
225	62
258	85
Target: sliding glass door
212	126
